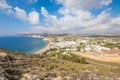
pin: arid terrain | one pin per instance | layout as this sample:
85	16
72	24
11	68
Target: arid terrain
114	59
20	66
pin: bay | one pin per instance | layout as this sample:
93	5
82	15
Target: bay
22	44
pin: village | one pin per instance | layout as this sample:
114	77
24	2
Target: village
98	47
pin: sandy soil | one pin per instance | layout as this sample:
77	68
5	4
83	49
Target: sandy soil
115	59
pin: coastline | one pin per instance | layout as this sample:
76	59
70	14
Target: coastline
47	47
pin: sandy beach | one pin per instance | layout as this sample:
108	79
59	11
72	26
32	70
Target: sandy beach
115	59
47	47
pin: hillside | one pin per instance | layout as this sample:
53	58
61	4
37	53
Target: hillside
19	66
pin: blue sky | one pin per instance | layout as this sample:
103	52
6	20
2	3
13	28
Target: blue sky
59	16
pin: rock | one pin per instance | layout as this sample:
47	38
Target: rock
3	74
5	57
29	77
58	78
2	54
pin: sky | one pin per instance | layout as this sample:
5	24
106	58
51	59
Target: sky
59	16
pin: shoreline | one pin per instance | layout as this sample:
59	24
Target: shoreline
47	47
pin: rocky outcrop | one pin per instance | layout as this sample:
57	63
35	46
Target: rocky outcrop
3	74
5	57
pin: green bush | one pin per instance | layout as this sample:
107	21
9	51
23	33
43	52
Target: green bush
72	58
83	61
53	49
81	46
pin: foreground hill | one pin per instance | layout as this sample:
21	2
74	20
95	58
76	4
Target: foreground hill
20	66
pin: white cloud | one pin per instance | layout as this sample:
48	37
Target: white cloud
49	19
78	21
20	13
44	12
5	7
33	18
74	17
116	21
84	4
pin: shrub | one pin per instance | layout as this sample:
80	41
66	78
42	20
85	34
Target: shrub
81	46
13	72
83	61
53	49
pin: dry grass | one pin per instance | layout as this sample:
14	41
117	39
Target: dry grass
115	59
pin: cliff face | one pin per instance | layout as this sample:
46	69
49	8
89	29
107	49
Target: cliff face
20	66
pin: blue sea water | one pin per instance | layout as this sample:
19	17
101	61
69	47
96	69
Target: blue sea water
22	44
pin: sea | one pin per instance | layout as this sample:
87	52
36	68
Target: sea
27	45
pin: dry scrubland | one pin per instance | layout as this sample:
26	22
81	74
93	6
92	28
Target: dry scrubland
115	59
19	66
